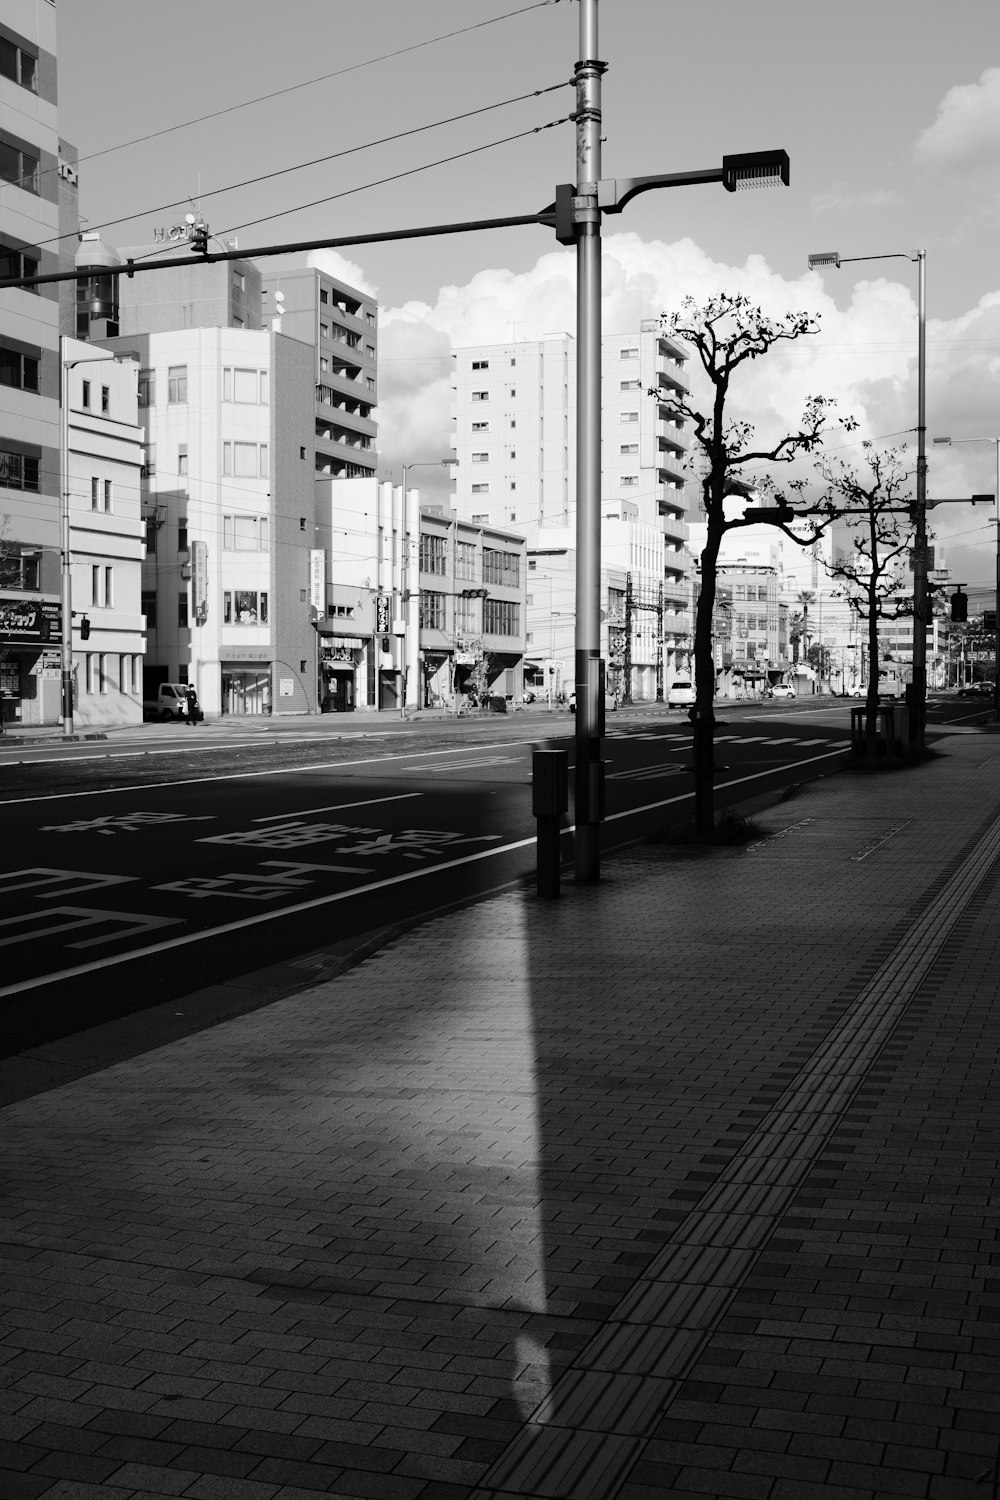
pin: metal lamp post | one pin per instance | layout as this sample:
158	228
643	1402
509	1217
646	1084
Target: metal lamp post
918	704
409	591
66	577
947	442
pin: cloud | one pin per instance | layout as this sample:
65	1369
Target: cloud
865	355
966	133
341	269
838	200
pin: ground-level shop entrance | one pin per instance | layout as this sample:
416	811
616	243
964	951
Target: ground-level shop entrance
246	690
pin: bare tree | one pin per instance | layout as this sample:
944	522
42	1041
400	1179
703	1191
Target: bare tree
725	333
876	506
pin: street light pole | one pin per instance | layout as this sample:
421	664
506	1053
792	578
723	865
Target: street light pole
65	573
587	653
918	697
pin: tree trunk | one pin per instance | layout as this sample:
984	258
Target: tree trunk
703	713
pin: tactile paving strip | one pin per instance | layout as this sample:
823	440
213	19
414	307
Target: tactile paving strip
587	1434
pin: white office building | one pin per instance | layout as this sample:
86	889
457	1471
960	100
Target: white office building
515	439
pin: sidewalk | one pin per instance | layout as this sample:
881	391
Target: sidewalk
681	1186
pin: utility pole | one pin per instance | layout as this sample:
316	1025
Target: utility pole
589	674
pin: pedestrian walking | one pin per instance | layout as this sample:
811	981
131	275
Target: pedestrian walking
193	711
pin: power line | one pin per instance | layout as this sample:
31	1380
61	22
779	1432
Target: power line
323	78
320	160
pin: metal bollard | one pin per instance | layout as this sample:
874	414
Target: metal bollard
549	801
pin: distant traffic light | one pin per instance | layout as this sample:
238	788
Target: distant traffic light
85	629
959	608
199	237
990	621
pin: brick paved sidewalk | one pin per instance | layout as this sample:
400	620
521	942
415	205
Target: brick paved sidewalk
681	1186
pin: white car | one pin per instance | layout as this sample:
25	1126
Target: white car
782	690
680	693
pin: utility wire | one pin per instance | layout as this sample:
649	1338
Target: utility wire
321	160
323	78
363	186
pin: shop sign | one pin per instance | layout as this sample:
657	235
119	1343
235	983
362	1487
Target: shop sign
465	659
382	615
48	665
29	623
286	687
317	579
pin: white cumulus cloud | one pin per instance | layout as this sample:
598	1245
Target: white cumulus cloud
966	132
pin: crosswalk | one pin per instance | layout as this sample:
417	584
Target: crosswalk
735	739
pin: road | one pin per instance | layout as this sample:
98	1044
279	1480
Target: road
165	860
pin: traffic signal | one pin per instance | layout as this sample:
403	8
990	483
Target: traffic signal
85	629
199	237
959	608
990	621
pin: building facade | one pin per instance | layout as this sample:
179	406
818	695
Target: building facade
514	426
340	324
416	608
38	223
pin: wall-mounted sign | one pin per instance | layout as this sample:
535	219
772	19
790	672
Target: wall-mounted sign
382	615
29	623
286	687
317	579
199	581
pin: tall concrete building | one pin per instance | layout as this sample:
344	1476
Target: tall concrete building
515	439
38	223
340	324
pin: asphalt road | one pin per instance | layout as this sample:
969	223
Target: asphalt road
162	861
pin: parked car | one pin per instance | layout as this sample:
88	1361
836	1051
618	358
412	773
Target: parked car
782	690
977	690
680	693
170	702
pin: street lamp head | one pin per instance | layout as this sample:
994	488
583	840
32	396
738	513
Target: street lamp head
824	258
755	169
942	442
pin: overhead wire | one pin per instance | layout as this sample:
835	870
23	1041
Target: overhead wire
321	160
322	78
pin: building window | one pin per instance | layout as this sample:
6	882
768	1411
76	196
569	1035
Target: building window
93	672
481	519
18	64
95	493
149	609
324	330
182	461
433	554
628	385
465	561
532	565
501	617
324	295
480	364
628	354
182	535
244	533
177	384
19	370
109	494
432	610
85	394
627	448
480	426
245	460
15	263
512	393
501	567
244	607
147	388
264	385
628	480
628	416
239	281
125	673
182	610
480	395
245	385
370	319
480	458
18	167
105	399
481	489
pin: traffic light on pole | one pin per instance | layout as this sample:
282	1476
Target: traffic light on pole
959	608
85	629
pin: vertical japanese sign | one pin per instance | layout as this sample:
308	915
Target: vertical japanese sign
199	581
317	580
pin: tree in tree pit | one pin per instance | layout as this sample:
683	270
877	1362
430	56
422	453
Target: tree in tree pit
877	507
727	332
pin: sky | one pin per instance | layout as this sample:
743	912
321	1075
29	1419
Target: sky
888	109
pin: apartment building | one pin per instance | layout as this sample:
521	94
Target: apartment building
340	324
38	223
514	426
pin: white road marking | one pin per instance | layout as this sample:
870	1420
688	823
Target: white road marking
305	812
184	939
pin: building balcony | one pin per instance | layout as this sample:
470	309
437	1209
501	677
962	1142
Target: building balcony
672	377
347	429
672	477
335	385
